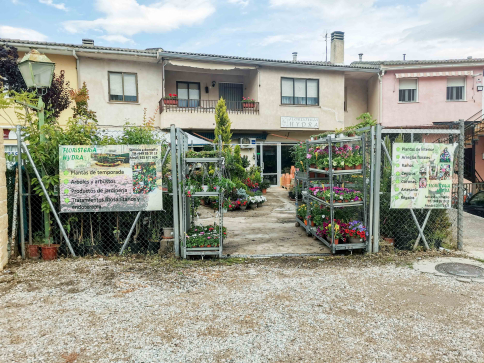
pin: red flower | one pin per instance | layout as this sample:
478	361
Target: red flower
169	94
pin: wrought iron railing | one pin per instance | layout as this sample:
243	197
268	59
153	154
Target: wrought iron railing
206	106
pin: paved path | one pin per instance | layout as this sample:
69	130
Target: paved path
267	230
474	235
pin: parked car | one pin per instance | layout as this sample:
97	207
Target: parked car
475	204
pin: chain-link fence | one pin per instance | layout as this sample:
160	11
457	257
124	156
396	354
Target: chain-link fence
399	228
89	233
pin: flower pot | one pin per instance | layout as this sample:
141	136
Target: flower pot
346	200
326	169
313	224
259	205
202	201
347	167
390	241
49	252
243	207
354	240
224	210
248	104
264	191
168	232
306	222
358	166
339	168
34	251
170	102
205	188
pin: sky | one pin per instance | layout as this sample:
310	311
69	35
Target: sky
272	29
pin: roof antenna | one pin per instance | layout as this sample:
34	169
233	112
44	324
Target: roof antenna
326	40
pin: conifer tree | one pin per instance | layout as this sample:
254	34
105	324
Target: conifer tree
222	124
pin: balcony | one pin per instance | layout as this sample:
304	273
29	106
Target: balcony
206	106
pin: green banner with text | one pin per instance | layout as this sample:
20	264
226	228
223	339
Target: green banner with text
111	178
422	175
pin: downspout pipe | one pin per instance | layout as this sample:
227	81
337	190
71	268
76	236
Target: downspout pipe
380	101
77	68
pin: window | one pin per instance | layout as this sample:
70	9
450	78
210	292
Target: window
408	90
299	91
188	94
123	87
456	89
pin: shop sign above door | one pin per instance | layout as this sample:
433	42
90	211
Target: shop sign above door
300	122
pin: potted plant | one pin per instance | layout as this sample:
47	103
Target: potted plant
301	212
243	204
33	249
264	185
248	102
355	231
49	250
172	99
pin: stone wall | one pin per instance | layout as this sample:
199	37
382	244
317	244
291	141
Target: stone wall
3	208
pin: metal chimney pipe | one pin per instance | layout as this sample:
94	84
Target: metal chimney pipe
294	56
361	56
404	56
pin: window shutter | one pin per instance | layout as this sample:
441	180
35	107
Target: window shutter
130	85
408	84
312	88
456	82
116	84
287	87
300	88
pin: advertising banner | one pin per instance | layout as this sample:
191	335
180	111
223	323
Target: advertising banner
422	175
111	178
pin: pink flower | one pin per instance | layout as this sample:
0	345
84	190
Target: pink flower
308	156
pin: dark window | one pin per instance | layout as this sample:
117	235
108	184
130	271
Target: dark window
188	94
299	91
407	90
456	88
123	87
406	95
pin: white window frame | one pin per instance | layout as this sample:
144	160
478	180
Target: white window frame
416	91
464	93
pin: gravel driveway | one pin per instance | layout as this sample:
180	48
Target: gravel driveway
284	310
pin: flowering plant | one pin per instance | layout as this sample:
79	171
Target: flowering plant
355	229
204	236
302	211
172	96
247	100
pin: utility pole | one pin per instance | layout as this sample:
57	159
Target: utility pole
326	40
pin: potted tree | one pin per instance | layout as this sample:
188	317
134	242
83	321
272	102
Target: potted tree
264	185
49	249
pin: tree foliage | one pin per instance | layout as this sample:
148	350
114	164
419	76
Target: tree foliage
81	108
222	124
9	71
57	98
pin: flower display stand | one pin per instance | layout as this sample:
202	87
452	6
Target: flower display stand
332	179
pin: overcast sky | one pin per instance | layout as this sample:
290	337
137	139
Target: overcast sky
380	29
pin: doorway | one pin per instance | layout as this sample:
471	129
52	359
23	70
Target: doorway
232	93
274	160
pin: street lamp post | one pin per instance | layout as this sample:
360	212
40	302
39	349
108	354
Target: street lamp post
37	71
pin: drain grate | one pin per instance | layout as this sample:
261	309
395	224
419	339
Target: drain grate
460	269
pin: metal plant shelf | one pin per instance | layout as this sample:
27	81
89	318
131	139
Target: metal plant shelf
336	205
338	172
332	177
202	160
206	194
335	140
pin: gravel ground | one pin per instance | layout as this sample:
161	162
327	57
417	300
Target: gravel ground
283	310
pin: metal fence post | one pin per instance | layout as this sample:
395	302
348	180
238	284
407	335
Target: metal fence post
61	227
376	190
174	181
20	190
460	189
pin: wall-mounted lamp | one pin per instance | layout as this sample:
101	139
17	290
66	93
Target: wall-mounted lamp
213	83
479	88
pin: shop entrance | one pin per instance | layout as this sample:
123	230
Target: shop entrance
274	160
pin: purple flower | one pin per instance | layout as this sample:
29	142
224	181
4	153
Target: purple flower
308	156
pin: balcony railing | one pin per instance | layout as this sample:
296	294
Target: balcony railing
206	106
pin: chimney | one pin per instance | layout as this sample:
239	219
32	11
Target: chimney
469	57
337	47
294	56
88	42
404	56
360	56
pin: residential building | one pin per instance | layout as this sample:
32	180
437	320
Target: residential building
292	99
434	92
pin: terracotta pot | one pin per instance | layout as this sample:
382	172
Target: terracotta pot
49	252
264	191
339	168
390	241
336	241
347	167
326	169
248	104
346	200
34	251
306	222
358	166
170	102
313	224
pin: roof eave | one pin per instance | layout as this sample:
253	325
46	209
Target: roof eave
198	57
